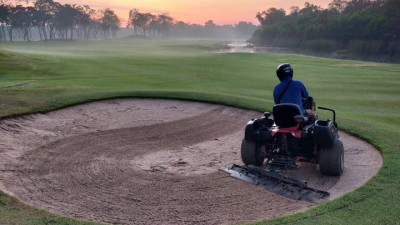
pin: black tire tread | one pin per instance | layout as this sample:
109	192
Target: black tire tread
249	153
331	159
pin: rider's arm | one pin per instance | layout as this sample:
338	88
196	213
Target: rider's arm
276	96
303	91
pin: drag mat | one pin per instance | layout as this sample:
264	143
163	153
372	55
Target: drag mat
277	182
151	161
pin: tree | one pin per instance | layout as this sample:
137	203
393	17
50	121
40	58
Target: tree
357	5
210	24
338	5
4	20
16	20
65	20
210	28
310	9
132	21
271	16
109	22
147	19
140	20
154	26
27	21
45	14
83	20
244	29
165	23
391	10
54	20
294	11
362	26
95	23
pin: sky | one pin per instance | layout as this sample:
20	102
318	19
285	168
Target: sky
198	11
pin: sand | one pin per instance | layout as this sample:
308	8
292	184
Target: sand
152	161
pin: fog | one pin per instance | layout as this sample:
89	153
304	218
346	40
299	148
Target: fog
227	32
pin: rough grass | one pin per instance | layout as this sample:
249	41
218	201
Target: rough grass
38	77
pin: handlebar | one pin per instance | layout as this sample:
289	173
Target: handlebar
333	111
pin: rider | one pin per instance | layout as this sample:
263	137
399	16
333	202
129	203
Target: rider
289	90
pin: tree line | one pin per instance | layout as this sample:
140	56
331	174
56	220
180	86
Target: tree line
49	20
240	31
367	28
156	25
53	20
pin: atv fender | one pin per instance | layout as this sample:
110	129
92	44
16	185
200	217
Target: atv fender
325	133
257	131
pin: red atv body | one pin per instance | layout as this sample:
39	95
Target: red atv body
286	138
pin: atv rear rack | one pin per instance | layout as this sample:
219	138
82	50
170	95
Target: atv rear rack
276	181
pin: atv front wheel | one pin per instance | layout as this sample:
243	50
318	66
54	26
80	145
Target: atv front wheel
250	154
331	159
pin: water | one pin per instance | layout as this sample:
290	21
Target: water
244	47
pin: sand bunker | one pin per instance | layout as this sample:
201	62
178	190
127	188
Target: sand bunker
151	161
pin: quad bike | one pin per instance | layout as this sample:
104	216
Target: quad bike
283	139
289	137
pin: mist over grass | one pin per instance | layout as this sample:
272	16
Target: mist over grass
43	76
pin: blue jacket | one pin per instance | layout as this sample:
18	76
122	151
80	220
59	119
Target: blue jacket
293	94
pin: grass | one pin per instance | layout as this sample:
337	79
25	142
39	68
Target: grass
43	76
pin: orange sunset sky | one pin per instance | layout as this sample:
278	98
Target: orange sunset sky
198	11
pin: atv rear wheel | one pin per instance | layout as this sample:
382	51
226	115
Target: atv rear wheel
250	154
331	159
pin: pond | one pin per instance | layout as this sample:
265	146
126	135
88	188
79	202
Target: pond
245	47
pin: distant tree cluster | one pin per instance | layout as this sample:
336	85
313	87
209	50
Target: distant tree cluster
49	20
162	25
241	31
369	27
52	20
155	25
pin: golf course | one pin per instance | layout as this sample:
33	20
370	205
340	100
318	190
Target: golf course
43	76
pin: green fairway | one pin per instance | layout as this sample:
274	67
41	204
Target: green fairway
43	76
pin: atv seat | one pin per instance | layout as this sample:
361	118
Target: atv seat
284	114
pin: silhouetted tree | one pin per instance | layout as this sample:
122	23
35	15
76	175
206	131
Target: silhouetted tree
391	10
271	16
356	5
165	23
95	23
244	29
133	20
147	18
338	5
210	27
52	20
83	20
45	13
109	22
154	27
18	19
4	20
64	21
140	20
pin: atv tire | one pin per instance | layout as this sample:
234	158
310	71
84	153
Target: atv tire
331	159
250	155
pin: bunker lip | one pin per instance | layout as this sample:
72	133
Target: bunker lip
152	161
